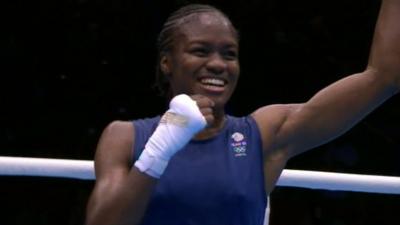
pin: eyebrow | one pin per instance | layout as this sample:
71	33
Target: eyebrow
201	42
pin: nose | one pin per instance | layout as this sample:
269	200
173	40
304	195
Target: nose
216	64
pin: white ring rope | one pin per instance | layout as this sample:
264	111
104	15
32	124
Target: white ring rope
84	169
340	181
21	166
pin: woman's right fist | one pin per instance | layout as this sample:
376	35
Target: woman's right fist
206	107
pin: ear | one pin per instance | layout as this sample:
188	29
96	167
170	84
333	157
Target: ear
165	64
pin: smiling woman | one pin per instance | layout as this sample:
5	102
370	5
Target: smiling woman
202	46
197	165
203	59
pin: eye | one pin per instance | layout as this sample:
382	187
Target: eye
230	54
199	51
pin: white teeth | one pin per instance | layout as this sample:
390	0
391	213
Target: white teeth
213	81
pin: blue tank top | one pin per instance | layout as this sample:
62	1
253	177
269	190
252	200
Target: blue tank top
218	181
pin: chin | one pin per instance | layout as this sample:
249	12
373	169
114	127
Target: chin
220	102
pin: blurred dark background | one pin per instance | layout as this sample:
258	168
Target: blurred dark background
71	67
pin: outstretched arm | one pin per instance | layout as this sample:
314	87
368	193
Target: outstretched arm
338	107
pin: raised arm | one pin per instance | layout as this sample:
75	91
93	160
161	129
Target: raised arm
385	51
338	107
123	187
121	192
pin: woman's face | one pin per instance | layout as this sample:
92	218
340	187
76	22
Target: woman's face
204	58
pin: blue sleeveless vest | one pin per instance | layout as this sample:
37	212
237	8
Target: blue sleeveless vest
218	181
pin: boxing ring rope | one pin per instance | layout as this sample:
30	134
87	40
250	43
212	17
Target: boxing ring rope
84	169
45	167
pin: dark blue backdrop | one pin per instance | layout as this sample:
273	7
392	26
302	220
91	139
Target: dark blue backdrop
71	67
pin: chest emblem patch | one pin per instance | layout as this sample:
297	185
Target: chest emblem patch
238	144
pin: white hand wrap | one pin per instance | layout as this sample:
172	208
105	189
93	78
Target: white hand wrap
176	128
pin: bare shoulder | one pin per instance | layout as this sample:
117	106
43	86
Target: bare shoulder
114	149
270	120
118	132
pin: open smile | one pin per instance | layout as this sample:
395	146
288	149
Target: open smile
215	85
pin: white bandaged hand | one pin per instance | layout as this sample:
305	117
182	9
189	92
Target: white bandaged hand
176	128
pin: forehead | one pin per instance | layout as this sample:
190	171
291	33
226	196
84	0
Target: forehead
207	26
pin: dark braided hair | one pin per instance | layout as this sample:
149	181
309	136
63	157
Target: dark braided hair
166	38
